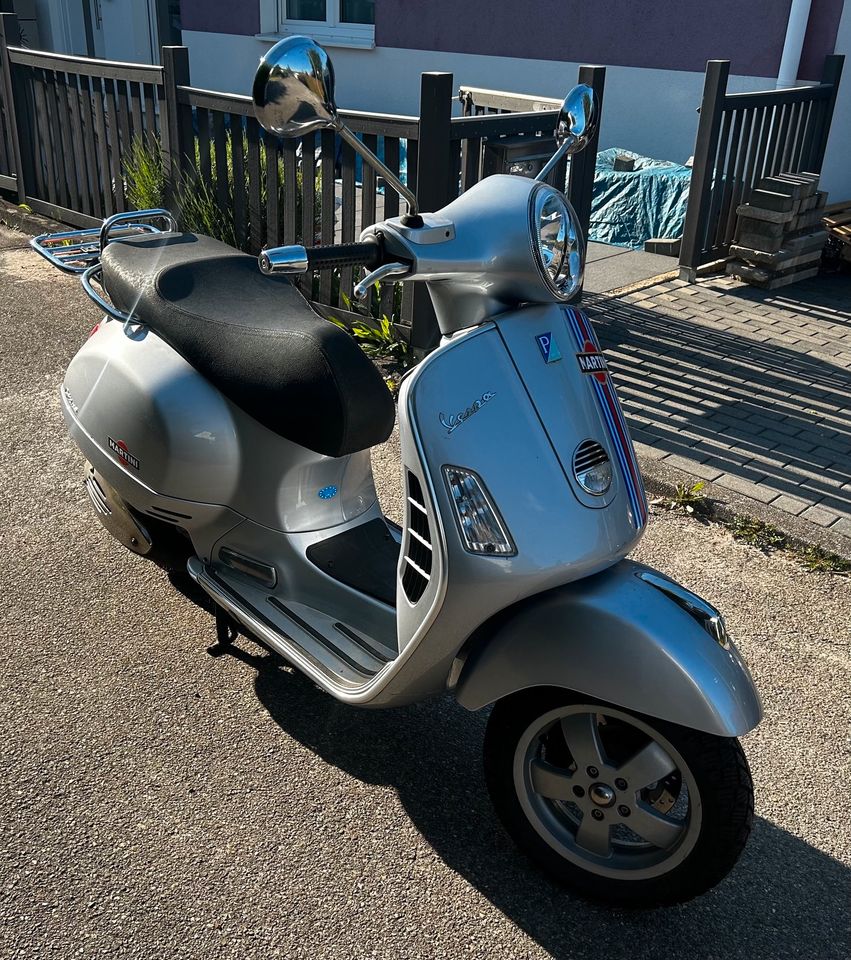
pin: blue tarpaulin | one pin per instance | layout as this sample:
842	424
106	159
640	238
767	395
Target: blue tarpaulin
631	207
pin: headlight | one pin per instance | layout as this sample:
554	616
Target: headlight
557	241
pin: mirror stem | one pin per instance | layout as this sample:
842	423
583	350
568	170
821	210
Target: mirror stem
413	218
567	143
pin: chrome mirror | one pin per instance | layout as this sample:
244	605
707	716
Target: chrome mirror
575	127
293	95
294	89
577	119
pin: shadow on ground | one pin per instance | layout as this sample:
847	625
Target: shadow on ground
754	409
785	898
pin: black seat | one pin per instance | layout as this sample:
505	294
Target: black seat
253	336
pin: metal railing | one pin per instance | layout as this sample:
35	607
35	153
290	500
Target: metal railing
741	138
532	116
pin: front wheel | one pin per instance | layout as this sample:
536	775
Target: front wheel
617	806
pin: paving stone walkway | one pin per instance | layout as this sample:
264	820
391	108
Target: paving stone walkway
746	388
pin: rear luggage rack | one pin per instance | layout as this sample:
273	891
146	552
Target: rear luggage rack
79	251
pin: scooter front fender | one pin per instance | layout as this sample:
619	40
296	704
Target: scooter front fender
628	636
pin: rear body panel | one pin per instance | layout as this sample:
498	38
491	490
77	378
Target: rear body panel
150	419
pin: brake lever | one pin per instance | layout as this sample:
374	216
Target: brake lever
385	270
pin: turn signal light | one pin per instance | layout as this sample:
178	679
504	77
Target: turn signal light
481	527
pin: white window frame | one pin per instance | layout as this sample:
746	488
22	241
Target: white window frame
330	32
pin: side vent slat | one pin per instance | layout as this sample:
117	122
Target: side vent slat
97	496
417	548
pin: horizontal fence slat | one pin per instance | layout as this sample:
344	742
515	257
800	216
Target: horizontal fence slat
230	103
138	72
539	121
744	101
398	125
391	124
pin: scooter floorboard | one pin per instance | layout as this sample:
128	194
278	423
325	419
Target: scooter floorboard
296	630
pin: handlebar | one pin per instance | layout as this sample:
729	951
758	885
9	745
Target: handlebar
296	259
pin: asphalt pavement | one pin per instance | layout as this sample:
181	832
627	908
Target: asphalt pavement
157	802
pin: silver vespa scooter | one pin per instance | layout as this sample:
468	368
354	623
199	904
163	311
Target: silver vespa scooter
227	431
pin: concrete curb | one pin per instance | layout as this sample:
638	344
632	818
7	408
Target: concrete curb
31	224
661	479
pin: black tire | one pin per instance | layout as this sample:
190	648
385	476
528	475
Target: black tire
717	767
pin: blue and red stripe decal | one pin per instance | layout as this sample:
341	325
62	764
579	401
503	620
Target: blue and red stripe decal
587	343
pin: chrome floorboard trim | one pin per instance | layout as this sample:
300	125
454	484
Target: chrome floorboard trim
306	660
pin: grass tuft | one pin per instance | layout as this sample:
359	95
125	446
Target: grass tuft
756	533
764	537
820	561
688	498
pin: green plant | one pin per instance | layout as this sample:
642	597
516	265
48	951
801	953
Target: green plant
756	533
766	538
379	340
820	561
196	200
144	169
688	497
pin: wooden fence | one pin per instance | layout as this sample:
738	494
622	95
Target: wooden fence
68	126
741	138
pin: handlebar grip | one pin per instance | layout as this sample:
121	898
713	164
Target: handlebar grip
296	259
367	254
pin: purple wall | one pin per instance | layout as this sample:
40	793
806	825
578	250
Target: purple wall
821	37
221	16
681	35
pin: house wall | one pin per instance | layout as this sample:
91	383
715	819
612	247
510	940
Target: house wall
221	16
669	36
655	76
836	173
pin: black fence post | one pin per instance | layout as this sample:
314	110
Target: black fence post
437	184
580	190
831	74
180	143
703	167
10	35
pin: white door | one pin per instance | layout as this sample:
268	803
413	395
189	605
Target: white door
124	30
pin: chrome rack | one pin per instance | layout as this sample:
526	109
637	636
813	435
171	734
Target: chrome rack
79	251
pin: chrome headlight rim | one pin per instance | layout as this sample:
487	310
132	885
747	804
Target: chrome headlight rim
571	264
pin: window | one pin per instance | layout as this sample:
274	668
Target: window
335	22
